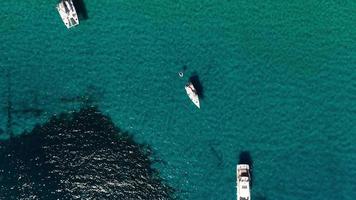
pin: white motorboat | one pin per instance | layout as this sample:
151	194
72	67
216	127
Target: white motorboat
192	93
243	182
68	13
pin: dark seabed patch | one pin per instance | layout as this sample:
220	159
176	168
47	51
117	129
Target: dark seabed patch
78	156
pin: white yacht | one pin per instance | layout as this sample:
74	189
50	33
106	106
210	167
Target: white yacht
68	13
243	182
192	93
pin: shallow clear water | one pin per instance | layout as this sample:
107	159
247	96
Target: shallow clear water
278	79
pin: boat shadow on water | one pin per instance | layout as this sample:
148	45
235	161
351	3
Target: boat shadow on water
245	158
81	9
194	79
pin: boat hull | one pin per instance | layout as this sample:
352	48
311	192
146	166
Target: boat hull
192	94
243	182
68	13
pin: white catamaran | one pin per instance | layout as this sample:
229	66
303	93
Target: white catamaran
243	182
68	13
192	93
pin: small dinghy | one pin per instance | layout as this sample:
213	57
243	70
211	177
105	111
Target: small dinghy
192	93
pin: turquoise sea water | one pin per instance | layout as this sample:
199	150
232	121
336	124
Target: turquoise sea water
278	76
